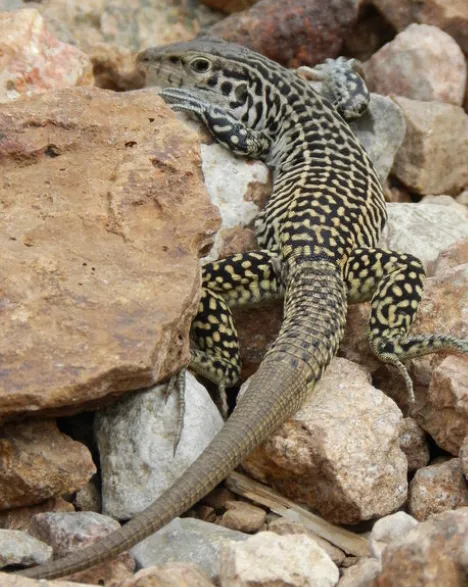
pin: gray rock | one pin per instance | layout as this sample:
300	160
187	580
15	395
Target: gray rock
136	443
189	540
381	131
19	548
424	230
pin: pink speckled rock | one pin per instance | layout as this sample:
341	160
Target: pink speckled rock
34	61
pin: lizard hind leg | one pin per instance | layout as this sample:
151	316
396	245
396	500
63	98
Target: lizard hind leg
394	283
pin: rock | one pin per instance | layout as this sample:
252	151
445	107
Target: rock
463	197
89	22
285	527
20	518
170	575
457	254
188	540
449	15
381	130
238	187
432	159
422	63
114	68
243	516
444	413
8	580
151	423
68	532
18	548
299	32
437	488
218	497
104	217
424	230
414	444
88	498
388	529
230	6
370	32
360	574
446	201
32	60
340	453
429	555
269	559
464	457
37	461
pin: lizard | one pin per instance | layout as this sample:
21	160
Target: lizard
321	226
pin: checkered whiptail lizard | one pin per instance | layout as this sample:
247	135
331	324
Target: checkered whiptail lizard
322	224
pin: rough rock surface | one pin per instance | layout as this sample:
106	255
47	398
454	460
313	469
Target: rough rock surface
270	559
424	230
389	529
444	413
381	131
33	61
134	25
299	32
9	580
432	159
243	517
20	518
449	15
437	488
422	63
170	575
18	548
238	187
429	555
188	540
134	474
340	453
230	5
283	526
67	532
413	443
464	457
360	574
105	216
37	461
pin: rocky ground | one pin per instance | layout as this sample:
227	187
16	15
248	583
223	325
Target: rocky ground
108	202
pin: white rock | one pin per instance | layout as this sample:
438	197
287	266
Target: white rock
424	230
228	180
19	548
187	540
269	559
136	442
389	529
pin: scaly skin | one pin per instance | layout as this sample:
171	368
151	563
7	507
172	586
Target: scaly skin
320	227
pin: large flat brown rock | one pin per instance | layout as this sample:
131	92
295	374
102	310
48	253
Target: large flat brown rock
103	217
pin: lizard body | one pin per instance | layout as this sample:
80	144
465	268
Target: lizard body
322	224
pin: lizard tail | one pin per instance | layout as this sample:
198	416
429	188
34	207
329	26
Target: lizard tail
315	309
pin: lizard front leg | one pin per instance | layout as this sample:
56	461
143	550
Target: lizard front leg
222	123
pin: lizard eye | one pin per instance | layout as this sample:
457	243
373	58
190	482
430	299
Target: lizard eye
200	65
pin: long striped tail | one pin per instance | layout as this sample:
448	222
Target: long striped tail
315	312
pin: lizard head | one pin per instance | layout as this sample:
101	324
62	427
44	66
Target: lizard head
200	64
